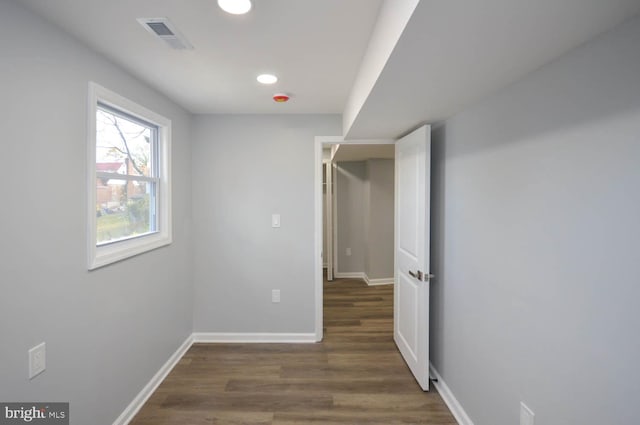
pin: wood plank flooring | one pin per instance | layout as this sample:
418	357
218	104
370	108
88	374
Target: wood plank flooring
355	376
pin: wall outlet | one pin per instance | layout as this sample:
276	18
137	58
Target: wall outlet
37	360
526	415
348	252
275	296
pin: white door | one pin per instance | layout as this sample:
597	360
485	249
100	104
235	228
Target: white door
411	297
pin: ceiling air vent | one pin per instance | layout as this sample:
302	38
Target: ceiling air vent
163	29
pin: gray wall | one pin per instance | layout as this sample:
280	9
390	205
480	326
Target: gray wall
364	192
535	243
110	330
380	193
350	215
245	168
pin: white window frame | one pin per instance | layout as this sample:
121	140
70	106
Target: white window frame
101	255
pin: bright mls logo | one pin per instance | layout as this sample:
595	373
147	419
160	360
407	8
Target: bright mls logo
34	413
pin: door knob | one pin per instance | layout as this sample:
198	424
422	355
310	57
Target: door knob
423	277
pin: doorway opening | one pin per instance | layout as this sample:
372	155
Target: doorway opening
354	214
412	276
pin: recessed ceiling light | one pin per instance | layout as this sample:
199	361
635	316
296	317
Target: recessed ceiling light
267	79
235	7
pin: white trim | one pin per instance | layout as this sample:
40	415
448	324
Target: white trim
98	256
229	337
380	281
327	232
329	140
203	337
363	276
450	400
334	211
350	275
318	235
334	150
128	177
134	407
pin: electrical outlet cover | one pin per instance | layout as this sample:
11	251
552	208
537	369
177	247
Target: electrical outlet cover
275	296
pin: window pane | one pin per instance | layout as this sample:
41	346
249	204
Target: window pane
125	209
123	145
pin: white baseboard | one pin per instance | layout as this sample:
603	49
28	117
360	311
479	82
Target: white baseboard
450	400
363	276
209	337
142	397
349	275
205	337
381	281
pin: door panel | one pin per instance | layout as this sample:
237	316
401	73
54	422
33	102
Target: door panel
407	198
411	308
407	330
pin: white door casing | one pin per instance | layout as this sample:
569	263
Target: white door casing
329	214
412	215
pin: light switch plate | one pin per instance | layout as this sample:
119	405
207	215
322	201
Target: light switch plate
526	415
37	360
275	220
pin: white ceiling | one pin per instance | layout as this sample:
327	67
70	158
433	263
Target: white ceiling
450	54
453	53
314	47
363	152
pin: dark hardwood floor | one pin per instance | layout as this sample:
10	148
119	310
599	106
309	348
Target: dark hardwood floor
355	376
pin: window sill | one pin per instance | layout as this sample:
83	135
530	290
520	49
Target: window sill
118	251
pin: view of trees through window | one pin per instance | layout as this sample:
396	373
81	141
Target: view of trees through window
125	176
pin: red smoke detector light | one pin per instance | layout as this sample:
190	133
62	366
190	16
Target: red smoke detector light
280	97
